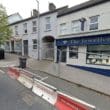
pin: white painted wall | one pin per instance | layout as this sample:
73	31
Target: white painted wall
103	10
42	32
81	57
52	32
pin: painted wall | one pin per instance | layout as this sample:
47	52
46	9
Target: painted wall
81	57
103	10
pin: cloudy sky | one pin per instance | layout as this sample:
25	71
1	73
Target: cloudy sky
24	7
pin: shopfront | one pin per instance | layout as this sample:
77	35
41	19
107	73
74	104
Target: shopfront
91	53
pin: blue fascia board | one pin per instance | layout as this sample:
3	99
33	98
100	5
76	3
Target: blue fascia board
105	72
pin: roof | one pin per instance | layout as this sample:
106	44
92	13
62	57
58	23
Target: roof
14	18
81	6
42	14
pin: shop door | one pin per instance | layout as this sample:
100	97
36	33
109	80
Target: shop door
25	44
63	51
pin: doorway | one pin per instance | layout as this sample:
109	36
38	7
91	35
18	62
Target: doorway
25	45
63	51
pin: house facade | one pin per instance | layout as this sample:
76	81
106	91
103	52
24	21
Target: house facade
84	36
34	36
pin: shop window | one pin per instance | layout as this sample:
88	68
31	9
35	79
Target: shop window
98	54
73	52
94	22
34	43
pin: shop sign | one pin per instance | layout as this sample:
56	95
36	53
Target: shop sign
91	40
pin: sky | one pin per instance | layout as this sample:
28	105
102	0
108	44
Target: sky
24	7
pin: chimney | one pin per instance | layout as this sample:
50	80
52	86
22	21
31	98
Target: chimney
34	13
52	7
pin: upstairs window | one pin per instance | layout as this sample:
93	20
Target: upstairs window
25	28
34	41
34	26
16	30
48	24
63	28
94	22
76	26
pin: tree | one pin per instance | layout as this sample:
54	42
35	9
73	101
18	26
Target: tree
5	31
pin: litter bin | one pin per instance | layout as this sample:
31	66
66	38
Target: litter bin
22	62
2	53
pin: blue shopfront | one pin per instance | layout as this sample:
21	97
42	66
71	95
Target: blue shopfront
91	53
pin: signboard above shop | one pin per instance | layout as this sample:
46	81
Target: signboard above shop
84	40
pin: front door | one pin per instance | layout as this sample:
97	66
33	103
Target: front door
62	54
25	44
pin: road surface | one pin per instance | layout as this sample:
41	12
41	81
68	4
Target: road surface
14	96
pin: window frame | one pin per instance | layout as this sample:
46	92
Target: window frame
72	52
16	30
34	26
48	23
63	28
34	44
94	20
76	27
25	28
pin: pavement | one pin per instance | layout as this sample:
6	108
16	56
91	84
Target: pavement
89	87
96	82
86	79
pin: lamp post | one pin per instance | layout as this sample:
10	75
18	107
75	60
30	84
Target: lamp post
38	29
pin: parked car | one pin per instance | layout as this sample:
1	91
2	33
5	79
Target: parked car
2	53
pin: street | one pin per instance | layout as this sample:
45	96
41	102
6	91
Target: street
14	96
101	101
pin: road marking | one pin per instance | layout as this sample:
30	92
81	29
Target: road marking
44	78
2	71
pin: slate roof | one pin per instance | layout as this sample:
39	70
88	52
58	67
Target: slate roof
42	14
81	6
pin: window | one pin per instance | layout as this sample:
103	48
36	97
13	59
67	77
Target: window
73	52
76	26
16	30
34	26
34	43
94	22
98	54
25	28
48	24
63	28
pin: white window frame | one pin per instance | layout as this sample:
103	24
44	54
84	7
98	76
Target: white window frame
16	30
63	28
94	22
34	44
25	28
75	26
48	23
34	26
